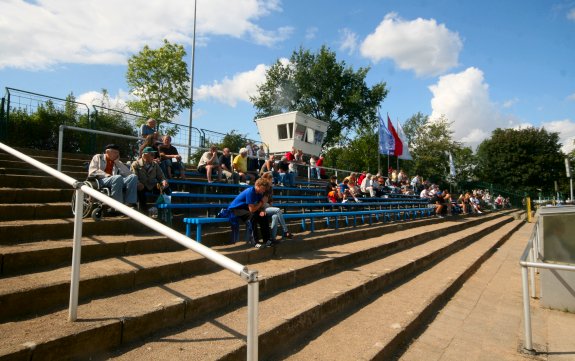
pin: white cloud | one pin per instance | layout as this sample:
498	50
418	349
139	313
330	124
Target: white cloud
112	102
43	33
509	103
420	45
348	41
464	99
230	91
571	14
571	97
566	130
311	33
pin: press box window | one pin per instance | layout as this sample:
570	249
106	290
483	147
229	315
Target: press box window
285	131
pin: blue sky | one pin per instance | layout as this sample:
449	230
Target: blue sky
482	64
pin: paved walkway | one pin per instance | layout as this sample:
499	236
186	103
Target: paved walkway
484	320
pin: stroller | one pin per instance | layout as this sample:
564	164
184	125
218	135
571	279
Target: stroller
92	206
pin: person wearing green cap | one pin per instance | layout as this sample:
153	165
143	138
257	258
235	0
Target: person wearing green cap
149	175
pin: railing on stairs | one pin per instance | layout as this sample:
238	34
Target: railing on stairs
531	260
250	276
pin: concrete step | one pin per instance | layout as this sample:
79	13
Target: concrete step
40	256
35	171
297	313
33	181
26	211
25	231
392	318
66	167
484	319
35	195
121	319
160	267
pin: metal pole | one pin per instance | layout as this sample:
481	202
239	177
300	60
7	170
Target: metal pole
571	186
526	311
192	84
60	146
253	299
76	254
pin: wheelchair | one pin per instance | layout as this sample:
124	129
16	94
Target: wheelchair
92	206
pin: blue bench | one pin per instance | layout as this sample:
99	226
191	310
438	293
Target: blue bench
241	187
404	213
232	196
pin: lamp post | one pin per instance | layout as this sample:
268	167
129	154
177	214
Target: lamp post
570	176
192	85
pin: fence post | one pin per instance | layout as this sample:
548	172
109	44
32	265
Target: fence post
76	253
253	315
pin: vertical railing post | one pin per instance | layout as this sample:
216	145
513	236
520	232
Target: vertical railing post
76	254
526	309
253	315
60	147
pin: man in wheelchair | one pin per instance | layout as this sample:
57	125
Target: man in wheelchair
111	173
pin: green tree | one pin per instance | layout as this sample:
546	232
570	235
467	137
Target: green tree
160	80
430	143
525	159
320	86
358	155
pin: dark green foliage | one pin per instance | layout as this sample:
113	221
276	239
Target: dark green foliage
524	159
320	86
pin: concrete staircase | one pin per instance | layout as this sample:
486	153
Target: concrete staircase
355	293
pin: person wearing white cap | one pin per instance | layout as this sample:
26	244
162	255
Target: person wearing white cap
240	165
112	173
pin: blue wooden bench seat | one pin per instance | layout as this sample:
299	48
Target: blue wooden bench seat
386	214
241	187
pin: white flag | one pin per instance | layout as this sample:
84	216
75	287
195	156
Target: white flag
405	155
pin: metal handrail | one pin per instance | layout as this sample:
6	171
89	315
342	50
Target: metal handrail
86	130
531	252
251	276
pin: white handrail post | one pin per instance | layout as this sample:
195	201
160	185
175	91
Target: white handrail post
60	146
253	299
526	311
532	274
76	254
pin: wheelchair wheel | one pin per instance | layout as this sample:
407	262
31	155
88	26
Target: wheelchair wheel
97	214
87	203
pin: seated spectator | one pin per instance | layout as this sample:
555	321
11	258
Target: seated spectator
149	176
248	205
345	191
475	204
149	127
275	213
332	190
170	160
226	166
287	178
361	177
269	167
354	189
240	165
111	173
499	202
367	185
438	200
210	163
151	141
